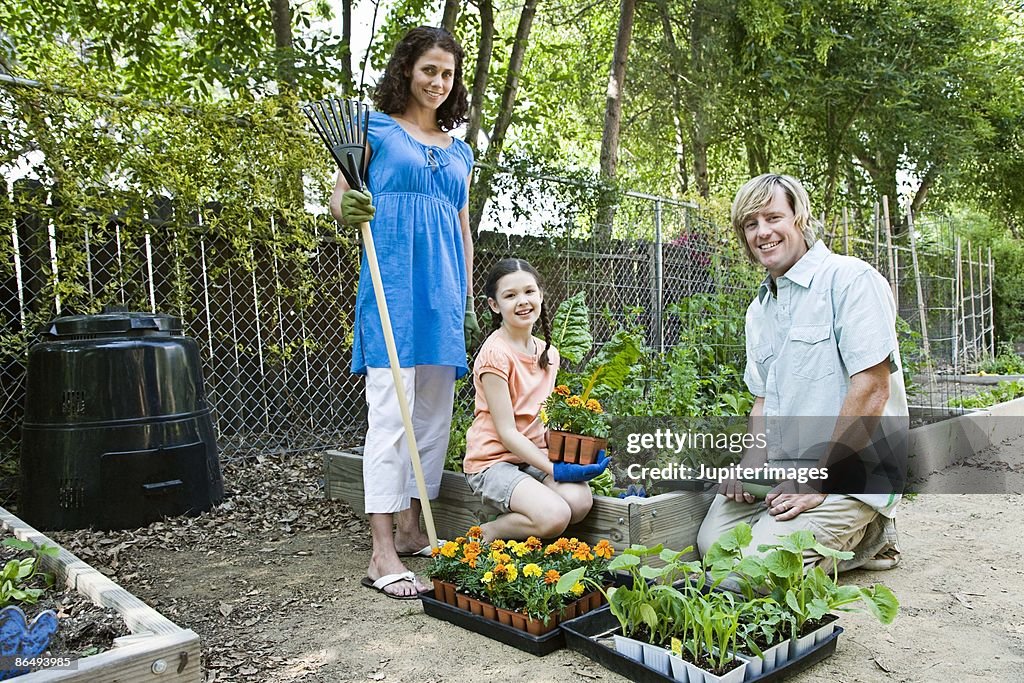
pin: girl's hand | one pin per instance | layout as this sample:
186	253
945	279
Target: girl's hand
569	472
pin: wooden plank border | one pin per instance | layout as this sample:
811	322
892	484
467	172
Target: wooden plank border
158	649
669	518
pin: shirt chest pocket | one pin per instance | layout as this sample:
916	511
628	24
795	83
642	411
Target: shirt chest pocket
811	351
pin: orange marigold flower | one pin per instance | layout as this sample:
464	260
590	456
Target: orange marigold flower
563	543
498	545
472	548
533	543
574	401
475	532
562	390
604	549
551	576
460	540
552	549
593	406
500	571
582	553
572	544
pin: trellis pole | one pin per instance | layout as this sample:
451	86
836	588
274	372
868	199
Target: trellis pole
876	221
846	233
893	280
917	284
974	311
992	303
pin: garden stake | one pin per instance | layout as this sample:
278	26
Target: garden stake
343	126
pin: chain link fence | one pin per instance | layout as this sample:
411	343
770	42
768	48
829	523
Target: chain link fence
274	323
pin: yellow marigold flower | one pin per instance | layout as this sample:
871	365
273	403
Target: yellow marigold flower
434	552
449	549
512	572
551	576
475	532
571	544
543	415
498	545
504	557
520	549
562	390
577	588
533	543
532	569
574	401
604	549
593	406
487	577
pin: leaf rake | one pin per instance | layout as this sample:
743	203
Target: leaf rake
343	126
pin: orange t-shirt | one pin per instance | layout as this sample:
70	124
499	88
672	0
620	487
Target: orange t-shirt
528	385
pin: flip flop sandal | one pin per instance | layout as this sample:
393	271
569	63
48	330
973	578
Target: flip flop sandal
380	584
426	551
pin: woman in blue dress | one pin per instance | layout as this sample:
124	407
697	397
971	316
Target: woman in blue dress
418	191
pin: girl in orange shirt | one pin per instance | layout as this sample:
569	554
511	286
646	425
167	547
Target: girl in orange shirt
506	460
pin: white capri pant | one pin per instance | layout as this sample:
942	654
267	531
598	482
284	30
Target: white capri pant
388	478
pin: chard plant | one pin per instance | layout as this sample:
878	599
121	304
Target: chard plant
17	575
763	622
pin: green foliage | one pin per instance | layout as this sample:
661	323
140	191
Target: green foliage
602	484
462	420
1006	390
1006	362
570	330
18	575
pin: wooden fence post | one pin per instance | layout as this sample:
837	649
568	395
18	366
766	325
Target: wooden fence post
917	283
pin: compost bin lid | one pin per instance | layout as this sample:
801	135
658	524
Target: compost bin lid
111	324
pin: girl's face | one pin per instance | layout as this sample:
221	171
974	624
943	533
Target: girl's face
519	299
432	77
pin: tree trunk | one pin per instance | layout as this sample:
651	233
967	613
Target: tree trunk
281	17
451	13
699	124
482	187
481	72
682	176
613	116
346	50
930	176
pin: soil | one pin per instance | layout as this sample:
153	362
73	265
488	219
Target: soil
270	582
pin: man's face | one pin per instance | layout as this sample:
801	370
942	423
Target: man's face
773	237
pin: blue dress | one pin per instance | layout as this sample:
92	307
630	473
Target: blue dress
418	191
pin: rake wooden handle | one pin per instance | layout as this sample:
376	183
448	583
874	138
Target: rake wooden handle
403	404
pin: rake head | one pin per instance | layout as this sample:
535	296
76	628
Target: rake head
343	126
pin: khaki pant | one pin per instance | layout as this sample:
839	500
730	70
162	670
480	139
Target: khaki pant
840	523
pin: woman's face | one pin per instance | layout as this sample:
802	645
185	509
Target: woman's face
432	78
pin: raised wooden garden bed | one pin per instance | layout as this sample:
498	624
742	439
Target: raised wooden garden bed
156	650
669	518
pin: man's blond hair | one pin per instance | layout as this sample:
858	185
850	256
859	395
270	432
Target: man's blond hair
756	194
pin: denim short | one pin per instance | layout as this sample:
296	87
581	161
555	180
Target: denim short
496	483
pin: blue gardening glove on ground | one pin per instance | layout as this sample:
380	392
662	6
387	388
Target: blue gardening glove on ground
634	490
470	326
567	471
356	207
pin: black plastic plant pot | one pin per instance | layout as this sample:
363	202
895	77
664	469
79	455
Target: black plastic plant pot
582	633
535	645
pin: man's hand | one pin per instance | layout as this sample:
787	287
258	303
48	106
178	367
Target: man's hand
470	326
356	207
733	490
784	502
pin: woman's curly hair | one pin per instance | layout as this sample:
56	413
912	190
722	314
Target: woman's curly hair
392	93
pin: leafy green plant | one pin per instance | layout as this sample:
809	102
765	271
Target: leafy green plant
1007	390
17	575
462	420
763	623
602	484
1006	362
813	593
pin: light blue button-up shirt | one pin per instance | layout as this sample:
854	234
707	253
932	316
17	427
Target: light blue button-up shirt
831	317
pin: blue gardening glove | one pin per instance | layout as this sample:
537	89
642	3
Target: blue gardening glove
634	490
470	326
356	207
569	472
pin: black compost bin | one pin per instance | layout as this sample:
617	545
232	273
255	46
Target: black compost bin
117	431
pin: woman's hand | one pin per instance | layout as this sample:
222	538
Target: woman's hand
470	326
356	207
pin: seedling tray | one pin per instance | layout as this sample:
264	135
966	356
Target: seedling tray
578	634
535	645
